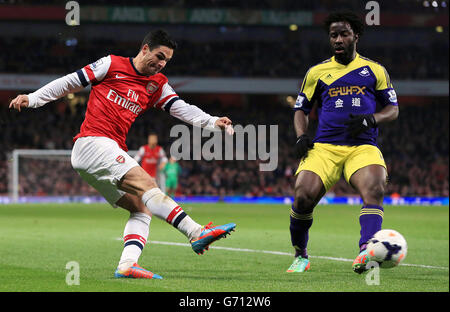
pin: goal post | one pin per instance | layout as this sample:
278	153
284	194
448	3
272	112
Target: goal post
42	173
30	154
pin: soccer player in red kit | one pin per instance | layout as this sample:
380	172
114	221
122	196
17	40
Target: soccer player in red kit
122	88
151	156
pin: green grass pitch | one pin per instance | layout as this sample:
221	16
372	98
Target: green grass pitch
38	240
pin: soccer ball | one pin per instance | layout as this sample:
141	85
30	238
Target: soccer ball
388	248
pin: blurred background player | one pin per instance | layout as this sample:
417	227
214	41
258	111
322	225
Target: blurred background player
123	88
152	159
172	170
347	88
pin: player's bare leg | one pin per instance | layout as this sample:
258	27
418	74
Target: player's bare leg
309	189
136	181
133	204
370	182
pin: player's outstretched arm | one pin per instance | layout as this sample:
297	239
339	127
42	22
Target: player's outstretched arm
50	92
193	115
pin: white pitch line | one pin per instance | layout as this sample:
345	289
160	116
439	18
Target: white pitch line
287	254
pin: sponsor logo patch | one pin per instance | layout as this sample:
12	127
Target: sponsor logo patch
346	90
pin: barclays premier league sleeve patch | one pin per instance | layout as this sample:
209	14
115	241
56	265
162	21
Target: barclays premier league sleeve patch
299	101
97	63
392	96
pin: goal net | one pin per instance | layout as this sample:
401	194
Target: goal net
47	175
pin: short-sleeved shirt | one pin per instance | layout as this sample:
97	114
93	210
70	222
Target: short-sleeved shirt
341	90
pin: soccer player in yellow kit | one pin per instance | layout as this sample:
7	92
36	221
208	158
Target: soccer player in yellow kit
347	88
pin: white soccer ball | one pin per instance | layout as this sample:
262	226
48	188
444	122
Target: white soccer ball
388	248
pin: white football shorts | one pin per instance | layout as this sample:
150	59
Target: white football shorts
102	163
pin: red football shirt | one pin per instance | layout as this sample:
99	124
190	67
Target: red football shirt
150	158
119	94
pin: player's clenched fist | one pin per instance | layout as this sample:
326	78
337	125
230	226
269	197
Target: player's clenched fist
19	101
302	146
360	123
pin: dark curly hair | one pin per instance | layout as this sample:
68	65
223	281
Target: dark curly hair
354	20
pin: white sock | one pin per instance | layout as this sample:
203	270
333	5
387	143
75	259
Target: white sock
167	209
135	236
189	227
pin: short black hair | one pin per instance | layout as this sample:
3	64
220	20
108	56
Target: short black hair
158	38
354	20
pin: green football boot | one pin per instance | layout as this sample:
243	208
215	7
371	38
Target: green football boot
360	263
299	265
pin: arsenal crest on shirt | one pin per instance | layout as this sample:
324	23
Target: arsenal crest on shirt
152	86
120	159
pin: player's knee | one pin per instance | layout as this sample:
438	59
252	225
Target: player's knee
303	203
376	192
